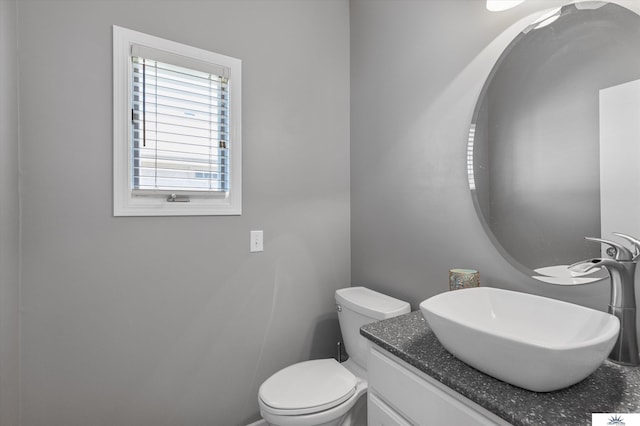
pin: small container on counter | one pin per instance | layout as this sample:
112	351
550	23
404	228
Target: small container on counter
463	278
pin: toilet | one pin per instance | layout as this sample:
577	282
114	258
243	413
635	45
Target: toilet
323	392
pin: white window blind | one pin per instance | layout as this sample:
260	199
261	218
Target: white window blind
177	128
180	124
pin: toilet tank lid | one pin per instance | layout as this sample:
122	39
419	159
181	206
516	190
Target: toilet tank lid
371	303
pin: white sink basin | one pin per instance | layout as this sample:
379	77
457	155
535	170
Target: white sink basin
533	342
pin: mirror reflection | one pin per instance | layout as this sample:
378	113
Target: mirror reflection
555	139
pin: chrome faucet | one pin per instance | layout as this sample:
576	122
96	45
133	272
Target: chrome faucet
621	269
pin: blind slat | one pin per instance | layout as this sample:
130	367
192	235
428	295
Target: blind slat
197	122
200	174
183	148
173	94
175	138
180	163
169	104
157	83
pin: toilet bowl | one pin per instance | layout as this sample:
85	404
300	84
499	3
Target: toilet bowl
311	393
324	392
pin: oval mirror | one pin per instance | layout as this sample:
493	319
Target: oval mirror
552	152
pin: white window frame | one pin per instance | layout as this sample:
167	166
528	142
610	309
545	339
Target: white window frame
125	203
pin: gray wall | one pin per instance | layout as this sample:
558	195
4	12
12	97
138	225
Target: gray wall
9	217
417	69
123	319
167	321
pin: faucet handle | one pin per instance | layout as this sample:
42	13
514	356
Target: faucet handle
622	253
634	241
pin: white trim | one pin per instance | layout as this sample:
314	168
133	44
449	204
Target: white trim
126	204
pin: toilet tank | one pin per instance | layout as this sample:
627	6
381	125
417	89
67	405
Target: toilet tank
358	306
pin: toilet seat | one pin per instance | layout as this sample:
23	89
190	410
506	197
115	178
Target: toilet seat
307	387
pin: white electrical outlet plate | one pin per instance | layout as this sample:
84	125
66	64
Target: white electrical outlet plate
257	241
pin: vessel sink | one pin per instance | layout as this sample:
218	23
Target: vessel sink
533	342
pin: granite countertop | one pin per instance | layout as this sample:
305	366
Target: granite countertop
610	389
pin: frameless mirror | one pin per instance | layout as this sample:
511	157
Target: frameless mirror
545	154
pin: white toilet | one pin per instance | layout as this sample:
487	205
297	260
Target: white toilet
324	392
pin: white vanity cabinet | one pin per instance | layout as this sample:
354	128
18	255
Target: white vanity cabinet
401	395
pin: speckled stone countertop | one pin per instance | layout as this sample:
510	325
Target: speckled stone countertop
610	389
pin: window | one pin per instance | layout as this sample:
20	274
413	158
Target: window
177	145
